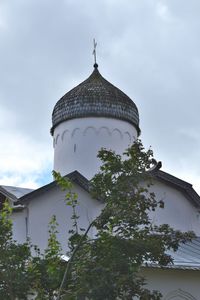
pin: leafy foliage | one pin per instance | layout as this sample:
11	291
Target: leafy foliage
48	266
108	266
24	271
16	273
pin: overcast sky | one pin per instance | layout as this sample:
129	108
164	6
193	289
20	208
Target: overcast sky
150	49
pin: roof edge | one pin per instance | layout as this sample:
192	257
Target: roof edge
180	184
74	176
183	186
95	116
8	194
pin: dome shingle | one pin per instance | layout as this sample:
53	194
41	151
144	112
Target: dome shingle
95	97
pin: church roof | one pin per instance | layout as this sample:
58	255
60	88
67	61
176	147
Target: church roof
187	257
179	184
13	192
74	176
95	97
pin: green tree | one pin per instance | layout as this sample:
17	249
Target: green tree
108	266
16	273
24	271
48	267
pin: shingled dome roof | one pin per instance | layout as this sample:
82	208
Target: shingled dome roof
95	97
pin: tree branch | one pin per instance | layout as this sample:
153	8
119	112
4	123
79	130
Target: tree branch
71	259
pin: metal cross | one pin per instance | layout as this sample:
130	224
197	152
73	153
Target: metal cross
94	51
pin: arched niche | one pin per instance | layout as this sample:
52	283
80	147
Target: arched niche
64	134
89	130
179	295
104	130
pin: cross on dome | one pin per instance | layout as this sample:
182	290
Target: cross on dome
95	54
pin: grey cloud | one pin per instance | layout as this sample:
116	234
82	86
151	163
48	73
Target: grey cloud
149	49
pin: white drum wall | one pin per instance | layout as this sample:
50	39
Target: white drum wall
77	142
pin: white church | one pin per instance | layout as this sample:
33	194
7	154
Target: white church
93	115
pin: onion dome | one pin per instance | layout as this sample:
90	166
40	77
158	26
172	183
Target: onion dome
95	97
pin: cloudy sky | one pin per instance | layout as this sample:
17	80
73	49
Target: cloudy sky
150	49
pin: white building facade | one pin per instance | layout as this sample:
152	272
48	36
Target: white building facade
93	115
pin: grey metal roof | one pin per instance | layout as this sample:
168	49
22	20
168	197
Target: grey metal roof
13	192
95	97
186	257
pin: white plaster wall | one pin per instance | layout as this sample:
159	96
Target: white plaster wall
179	212
77	142
52	202
19	226
174	284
